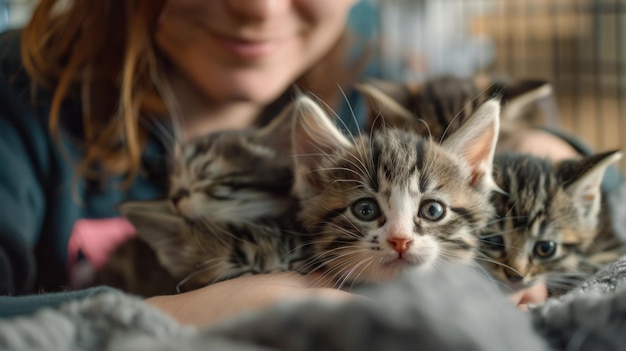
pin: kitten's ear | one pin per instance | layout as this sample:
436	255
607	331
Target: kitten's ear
582	180
386	101
517	95
277	134
162	230
475	142
314	133
314	137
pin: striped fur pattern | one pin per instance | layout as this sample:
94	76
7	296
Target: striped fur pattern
229	213
551	222
375	205
439	106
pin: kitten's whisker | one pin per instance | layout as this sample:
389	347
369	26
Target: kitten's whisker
342	270
506	218
423	121
160	132
164	88
336	115
215	229
321	261
356	234
356	279
499	264
349	273
196	273
487	274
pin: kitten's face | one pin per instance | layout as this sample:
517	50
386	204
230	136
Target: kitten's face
380	204
234	175
199	253
545	221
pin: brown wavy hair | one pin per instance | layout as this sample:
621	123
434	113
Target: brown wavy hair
103	53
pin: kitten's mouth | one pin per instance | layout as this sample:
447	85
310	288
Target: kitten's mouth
397	263
404	260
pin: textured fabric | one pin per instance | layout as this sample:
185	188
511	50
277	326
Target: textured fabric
418	311
591	317
454	308
11	306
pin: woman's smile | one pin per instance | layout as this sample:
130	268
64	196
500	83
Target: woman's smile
247	49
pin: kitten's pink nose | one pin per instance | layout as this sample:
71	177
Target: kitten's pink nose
400	244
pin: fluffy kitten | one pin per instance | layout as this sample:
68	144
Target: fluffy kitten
551	222
391	200
229	213
439	106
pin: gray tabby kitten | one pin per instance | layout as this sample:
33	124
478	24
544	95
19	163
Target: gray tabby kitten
551	221
439	106
377	204
229	213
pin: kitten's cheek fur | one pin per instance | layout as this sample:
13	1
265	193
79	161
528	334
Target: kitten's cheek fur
423	253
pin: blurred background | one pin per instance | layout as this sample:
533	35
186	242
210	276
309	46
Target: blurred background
577	45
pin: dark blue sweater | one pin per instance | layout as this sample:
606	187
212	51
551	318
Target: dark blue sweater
41	196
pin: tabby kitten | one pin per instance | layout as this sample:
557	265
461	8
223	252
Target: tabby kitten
551	222
228	214
441	105
375	205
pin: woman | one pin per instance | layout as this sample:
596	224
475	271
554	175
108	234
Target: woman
85	84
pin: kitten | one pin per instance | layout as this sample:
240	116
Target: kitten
551	221
378	204
441	105
228	214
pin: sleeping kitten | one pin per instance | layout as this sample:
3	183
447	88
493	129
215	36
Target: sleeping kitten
378	204
551	222
229	213
440	105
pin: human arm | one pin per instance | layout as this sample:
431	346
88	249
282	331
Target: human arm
211	304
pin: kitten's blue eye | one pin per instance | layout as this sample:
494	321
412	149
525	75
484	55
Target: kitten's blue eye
365	209
545	249
432	210
493	242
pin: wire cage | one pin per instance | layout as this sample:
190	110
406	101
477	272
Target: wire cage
577	45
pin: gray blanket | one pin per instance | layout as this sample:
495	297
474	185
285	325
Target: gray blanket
452	309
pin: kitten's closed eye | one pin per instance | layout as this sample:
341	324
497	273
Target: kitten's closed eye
229	211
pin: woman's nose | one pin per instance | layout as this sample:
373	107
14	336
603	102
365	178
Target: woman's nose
258	9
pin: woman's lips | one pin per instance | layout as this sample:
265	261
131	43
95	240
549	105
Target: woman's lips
248	49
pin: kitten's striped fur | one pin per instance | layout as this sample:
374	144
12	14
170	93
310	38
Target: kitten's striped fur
439	106
229	213
551	222
392	200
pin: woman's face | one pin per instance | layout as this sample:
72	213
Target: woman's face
248	50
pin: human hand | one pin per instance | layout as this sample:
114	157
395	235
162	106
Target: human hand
229	298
